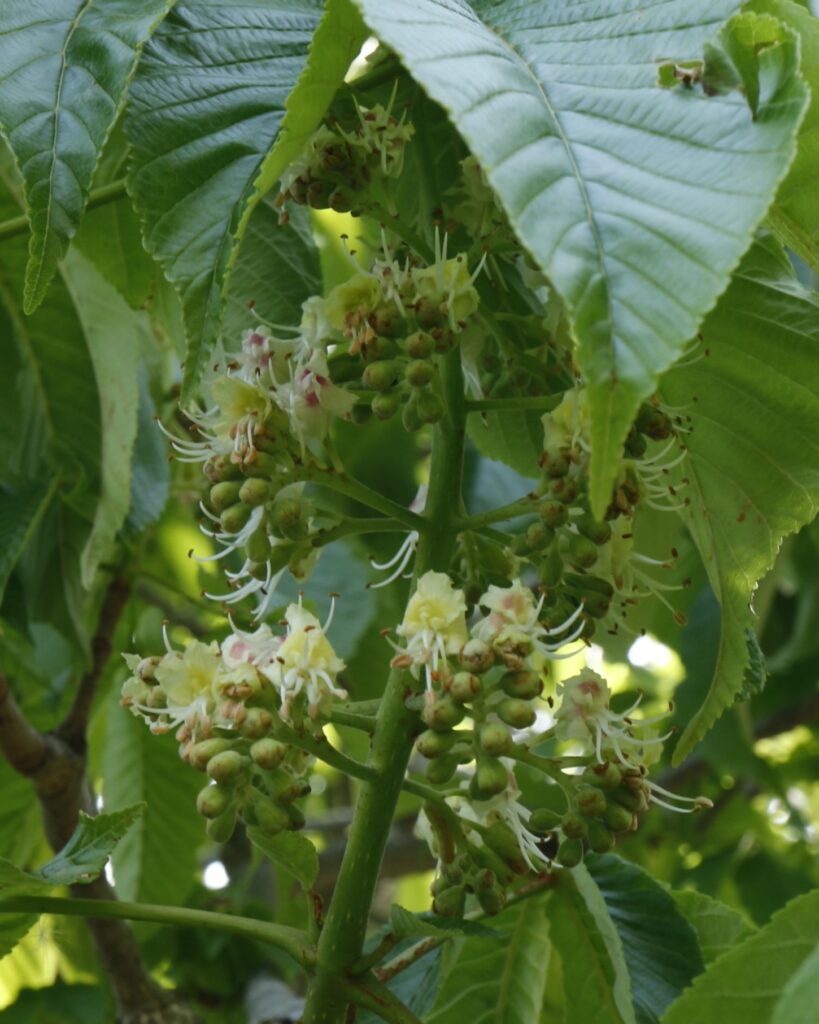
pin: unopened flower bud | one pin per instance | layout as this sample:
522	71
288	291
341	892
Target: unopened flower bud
494	739
380	376
450	902
477	656
491	777
443	714
429	407
553	513
420	345
574	827
268	753
597	532
419	373
523	685
255	491
617	817
581	552
517	713
604	776
272	818
590	801
544	820
256	724
441	769
214	801
600	838
227	766
200	753
433	744
464	687
570	853
221	829
225	494
233	519
384	407
219	468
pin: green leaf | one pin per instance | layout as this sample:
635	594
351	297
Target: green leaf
291	851
744	985
110	237
406	925
14	927
514	438
753	457
206	107
156	861
112	332
61	1004
84	856
794	215
618	188
594	966
718	927
150	472
277	269
65	67
800	996
20	512
659	945
497	980
416	986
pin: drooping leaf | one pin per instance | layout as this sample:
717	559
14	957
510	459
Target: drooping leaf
496	979
718	926
84	856
659	945
206	108
65	67
744	985
112	331
156	860
753	457
617	187
591	951
291	851
20	511
794	216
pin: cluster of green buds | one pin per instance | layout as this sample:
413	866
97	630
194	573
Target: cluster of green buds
397	320
589	564
236	707
481	708
342	168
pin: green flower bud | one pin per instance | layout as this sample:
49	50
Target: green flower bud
550	570
553	513
268	753
380	376
570	853
234	518
213	801
633	800
617	817
484	880
200	753
477	656
555	466
433	744
429	407
288	516
227	766
296	815
653	423
419	373
597	532
564	490
523	685
492	900
410	416
272	818
574	827
600	838
443	714
502	841
441	769
581	552
219	468
450	902
590	801
420	345
544	820
636	445
256	723
539	536
491	777
604	776
221	829
464	687
494	739
258	546
384	407
225	494
517	713
255	491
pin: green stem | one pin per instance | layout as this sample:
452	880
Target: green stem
521	507
344	931
99	197
537	402
364	723
291	940
352	488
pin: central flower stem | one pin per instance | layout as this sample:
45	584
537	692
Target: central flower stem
344	931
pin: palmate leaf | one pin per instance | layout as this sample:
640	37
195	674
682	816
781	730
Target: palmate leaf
206	108
618	188
753	453
64	68
718	926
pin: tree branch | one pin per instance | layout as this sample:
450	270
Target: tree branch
56	765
